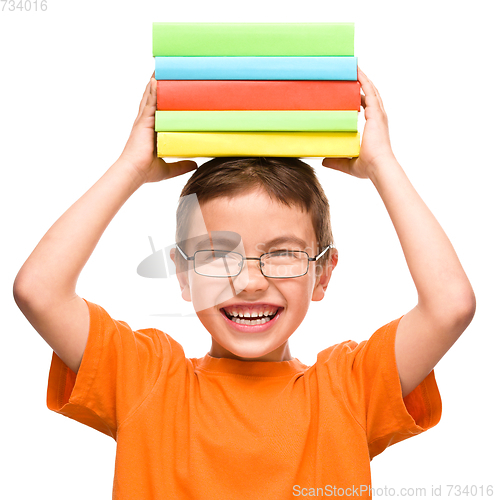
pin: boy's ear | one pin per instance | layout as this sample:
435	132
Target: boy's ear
323	279
182	276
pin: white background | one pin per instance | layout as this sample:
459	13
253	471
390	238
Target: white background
71	81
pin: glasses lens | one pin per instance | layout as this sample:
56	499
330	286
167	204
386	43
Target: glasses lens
217	263
285	264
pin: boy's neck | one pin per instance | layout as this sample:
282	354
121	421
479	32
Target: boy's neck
282	353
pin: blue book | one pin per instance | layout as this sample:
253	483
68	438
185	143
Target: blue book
256	68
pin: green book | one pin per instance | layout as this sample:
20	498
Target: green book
253	39
286	120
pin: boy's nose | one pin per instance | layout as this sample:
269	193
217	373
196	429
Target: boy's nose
251	278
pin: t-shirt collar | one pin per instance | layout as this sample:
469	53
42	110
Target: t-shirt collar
251	368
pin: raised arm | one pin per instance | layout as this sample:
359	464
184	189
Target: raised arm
446	302
45	286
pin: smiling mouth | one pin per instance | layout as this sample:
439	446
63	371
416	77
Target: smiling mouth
260	320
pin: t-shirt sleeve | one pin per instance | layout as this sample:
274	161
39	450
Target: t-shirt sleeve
369	380
118	371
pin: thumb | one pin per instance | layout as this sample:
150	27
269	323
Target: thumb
178	168
341	164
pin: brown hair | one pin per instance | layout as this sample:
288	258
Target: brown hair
286	179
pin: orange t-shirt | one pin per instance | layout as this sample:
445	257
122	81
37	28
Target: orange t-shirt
219	428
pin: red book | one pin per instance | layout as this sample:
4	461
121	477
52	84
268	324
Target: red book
182	95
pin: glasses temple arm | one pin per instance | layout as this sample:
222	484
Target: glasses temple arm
322	253
183	254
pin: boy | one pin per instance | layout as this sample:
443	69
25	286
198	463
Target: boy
246	421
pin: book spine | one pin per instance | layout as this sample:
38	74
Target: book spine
257	95
196	121
256	68
253	39
296	144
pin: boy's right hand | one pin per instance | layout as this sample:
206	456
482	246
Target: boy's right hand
45	286
140	150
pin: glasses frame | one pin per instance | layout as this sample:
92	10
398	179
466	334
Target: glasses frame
243	259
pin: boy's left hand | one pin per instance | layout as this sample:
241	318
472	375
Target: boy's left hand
375	145
446	301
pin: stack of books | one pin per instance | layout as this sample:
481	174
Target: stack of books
256	89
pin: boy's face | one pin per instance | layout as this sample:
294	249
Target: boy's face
262	225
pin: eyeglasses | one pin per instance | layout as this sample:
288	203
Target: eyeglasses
225	264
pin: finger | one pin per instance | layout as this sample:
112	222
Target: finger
363	101
153	87
370	90
365	82
142	104
149	105
340	164
180	167
378	96
144	99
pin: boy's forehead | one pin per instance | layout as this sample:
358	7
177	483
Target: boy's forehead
200	237
226	222
225	240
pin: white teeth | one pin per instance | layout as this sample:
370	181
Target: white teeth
263	314
249	322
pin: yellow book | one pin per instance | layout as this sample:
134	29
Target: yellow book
298	144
